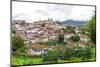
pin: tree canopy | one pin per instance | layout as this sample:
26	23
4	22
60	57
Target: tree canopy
91	29
13	30
18	43
52	55
74	38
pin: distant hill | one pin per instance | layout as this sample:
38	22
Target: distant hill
71	22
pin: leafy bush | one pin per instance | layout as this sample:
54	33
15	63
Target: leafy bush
74	38
52	56
13	30
91	29
18	44
84	53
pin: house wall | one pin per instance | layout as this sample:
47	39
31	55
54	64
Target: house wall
37	51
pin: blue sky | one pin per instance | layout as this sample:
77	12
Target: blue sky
36	11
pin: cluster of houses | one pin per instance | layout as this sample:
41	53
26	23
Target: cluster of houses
43	31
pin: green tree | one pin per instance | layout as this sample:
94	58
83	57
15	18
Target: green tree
87	54
91	29
13	30
74	38
52	56
79	52
68	53
18	44
84	53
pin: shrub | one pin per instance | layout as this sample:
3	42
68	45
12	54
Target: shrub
52	56
68	53
18	44
74	38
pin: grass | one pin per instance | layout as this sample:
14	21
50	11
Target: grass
21	60
75	60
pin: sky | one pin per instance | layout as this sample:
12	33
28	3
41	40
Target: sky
36	11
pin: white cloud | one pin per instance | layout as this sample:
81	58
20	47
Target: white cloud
82	12
36	11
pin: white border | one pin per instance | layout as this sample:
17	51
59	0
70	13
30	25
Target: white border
5	33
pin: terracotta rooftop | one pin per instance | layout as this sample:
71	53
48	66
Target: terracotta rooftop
37	46
83	42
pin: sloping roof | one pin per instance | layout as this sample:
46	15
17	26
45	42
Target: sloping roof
58	47
83	43
37	46
84	36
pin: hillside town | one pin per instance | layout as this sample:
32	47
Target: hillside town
44	31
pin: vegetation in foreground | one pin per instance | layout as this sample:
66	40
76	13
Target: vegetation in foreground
78	54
